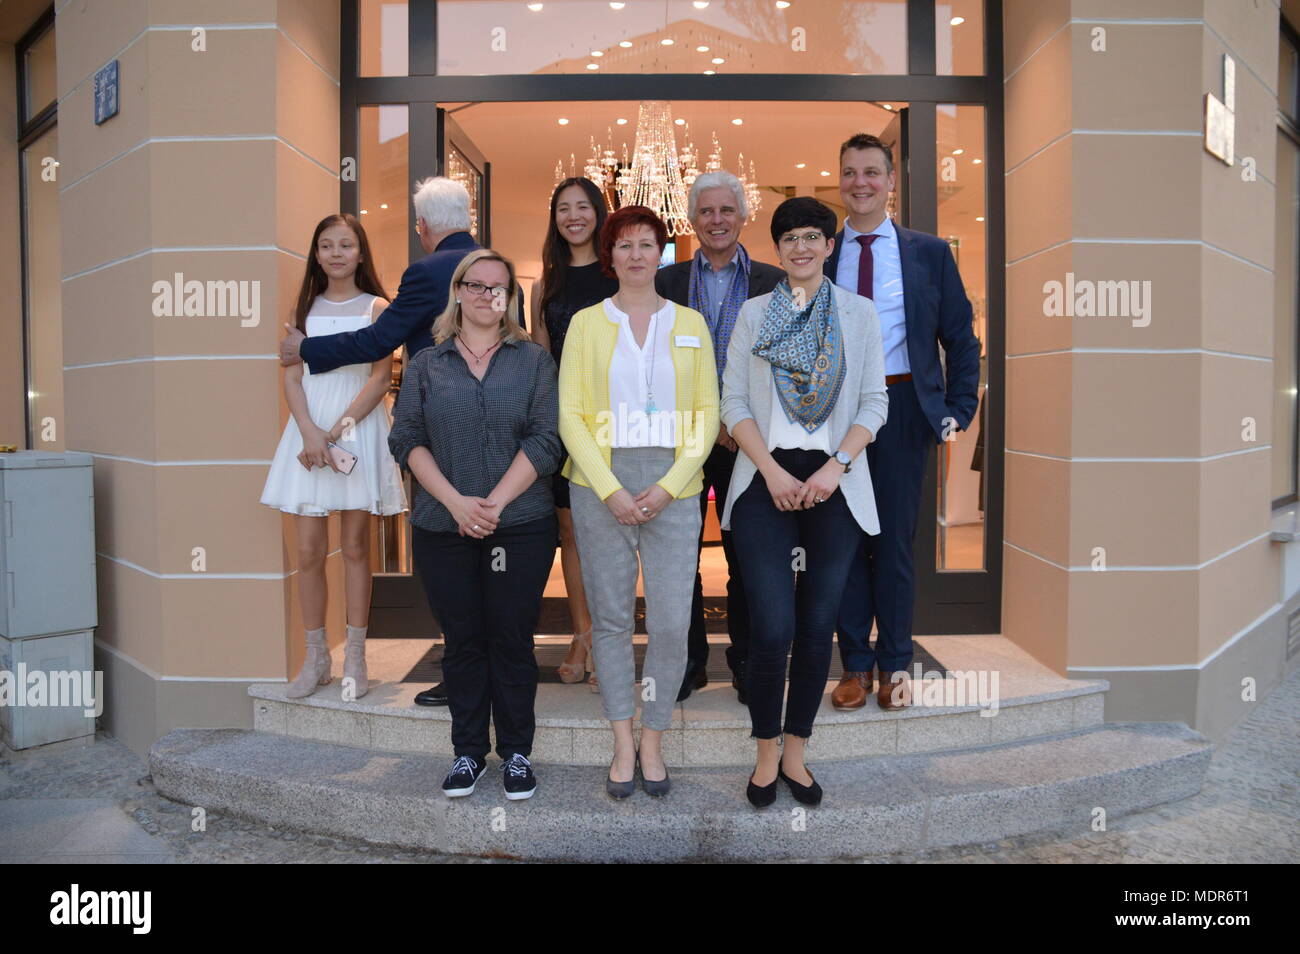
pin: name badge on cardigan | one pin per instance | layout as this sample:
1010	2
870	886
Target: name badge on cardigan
686	341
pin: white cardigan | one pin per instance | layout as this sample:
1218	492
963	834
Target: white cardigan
747	393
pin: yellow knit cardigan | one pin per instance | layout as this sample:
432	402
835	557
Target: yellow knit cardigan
584	397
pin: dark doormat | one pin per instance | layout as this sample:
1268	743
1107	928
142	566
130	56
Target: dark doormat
555	618
549	656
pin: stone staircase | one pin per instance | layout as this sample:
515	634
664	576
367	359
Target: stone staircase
929	776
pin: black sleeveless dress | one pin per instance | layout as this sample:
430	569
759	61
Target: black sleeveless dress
584	286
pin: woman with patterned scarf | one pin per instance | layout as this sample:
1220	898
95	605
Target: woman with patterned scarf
803	395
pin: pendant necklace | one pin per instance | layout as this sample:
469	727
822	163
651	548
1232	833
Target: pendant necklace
478	358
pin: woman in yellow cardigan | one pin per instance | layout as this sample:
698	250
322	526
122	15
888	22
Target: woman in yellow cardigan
638	415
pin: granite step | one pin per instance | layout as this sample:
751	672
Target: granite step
872	806
710	728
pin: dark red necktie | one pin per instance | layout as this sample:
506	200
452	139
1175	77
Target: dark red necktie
866	266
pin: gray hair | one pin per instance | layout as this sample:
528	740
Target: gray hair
718	180
443	204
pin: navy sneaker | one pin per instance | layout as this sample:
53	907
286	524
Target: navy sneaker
517	777
464	775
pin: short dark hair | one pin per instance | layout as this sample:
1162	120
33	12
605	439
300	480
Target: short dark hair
800	212
628	217
868	141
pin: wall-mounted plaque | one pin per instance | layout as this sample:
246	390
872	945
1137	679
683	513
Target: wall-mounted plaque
106	93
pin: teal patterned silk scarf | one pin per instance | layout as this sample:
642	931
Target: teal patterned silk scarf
806	351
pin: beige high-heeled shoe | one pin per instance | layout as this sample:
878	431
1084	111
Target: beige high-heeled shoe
354	662
315	669
574	672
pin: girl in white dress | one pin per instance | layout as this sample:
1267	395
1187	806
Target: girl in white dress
340	292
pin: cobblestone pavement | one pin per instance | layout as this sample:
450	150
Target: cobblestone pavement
1248	812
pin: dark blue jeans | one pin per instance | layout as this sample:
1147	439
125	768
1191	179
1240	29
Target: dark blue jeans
882	581
791	614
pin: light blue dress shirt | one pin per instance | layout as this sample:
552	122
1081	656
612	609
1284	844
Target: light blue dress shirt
887	295
715	285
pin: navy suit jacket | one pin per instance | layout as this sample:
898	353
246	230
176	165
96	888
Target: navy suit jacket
674	281
937	312
408	320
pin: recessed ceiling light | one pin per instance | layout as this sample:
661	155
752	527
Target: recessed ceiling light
625	43
979	218
887	106
782	4
800	165
709	72
666	41
738	122
383	205
957	21
593	66
534	7
700	4
679	121
958	152
621	121
562	121
825	173
976	161
597	52
364	212
617	6
717	61
701	49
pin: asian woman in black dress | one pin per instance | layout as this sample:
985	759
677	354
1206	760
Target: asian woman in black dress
571	280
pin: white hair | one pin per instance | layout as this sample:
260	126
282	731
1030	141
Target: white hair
443	204
718	180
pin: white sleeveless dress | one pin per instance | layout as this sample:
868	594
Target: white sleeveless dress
375	484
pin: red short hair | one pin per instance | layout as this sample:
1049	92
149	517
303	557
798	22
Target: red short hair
628	217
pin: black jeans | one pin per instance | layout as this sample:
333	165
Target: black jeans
717	474
788	616
487	595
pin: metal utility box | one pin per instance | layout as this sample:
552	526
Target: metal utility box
48	689
47	544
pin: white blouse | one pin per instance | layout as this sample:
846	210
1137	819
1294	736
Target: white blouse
634	373
782	432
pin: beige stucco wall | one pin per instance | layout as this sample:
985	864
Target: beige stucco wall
218	165
1125	442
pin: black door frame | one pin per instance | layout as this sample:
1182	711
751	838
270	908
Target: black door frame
947	601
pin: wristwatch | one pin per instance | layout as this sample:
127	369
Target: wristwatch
844	459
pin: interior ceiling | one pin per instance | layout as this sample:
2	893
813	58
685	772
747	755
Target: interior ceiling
775	135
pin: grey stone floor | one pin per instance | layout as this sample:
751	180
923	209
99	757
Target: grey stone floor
95	803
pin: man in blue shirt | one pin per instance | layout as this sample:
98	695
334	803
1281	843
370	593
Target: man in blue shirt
913	281
716	282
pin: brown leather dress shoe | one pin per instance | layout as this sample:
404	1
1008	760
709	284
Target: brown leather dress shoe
894	695
852	691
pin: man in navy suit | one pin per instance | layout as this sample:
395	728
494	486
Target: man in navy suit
716	282
442	221
913	281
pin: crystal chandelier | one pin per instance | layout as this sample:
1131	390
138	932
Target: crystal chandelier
657	174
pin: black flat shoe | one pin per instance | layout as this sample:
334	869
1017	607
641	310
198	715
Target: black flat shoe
696	677
435	696
761	796
803	794
738	683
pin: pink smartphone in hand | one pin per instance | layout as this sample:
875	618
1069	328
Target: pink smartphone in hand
343	460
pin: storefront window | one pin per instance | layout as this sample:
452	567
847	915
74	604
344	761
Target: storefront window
382	38
477	37
43	313
959	38
963	210
40	78
385	188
